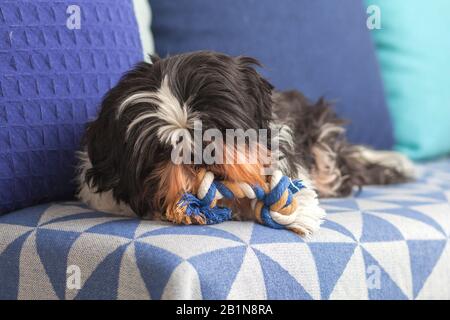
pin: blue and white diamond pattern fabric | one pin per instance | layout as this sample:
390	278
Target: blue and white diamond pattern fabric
383	243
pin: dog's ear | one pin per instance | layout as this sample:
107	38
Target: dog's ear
102	142
104	137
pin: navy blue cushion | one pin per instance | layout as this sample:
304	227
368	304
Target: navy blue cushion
320	47
52	78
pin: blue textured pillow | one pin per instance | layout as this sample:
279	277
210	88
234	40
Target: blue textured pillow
52	77
320	47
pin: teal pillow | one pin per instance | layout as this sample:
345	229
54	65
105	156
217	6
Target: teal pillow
413	47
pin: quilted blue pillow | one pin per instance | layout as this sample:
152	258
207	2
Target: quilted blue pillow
57	59
319	47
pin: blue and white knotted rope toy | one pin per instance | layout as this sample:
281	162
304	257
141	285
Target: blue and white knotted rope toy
281	204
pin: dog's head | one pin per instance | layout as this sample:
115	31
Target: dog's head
154	108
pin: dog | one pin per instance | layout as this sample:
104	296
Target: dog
125	165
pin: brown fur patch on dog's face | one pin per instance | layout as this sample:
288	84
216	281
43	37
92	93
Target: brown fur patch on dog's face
174	180
248	173
239	165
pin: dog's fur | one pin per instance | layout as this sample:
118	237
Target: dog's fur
126	166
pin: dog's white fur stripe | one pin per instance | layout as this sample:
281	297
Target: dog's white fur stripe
177	118
138	97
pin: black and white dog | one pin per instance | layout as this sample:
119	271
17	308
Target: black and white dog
126	165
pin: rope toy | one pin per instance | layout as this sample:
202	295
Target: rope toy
280	204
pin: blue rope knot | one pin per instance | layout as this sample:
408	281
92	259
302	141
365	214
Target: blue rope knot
202	207
274	196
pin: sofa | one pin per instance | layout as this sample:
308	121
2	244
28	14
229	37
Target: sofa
383	242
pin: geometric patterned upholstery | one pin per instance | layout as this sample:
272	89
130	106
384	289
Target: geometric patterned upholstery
383	243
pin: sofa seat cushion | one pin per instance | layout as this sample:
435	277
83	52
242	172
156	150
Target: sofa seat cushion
384	243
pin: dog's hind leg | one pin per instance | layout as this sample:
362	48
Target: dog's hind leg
357	165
